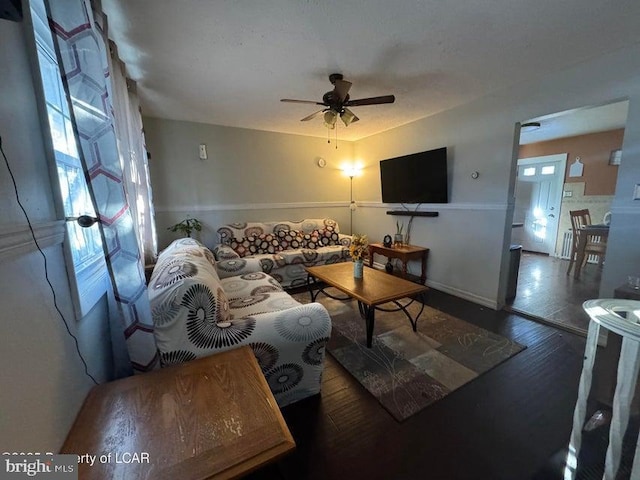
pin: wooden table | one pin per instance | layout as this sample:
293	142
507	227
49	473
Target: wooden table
375	288
210	418
587	231
404	253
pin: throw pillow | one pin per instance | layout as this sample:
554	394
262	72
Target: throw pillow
328	237
311	240
242	246
290	239
266	243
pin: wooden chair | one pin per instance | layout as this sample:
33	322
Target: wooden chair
579	219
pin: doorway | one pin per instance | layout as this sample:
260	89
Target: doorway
586	136
539	183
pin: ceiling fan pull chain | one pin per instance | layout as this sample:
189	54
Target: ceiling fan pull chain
336	136
328	135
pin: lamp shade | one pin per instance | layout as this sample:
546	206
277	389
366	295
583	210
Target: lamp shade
348	117
330	118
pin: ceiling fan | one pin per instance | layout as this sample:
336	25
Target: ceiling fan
336	102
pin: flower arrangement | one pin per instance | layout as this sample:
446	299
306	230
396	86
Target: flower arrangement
359	248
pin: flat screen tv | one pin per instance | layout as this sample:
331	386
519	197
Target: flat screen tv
416	178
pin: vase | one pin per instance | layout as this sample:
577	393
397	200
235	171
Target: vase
358	268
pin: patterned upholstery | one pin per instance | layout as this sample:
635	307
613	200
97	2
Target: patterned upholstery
197	312
283	249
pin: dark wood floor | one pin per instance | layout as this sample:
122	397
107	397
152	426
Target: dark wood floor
546	291
504	425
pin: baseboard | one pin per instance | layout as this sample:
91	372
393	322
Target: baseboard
456	292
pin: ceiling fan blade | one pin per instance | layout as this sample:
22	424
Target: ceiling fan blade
370	101
290	100
342	88
348	117
313	115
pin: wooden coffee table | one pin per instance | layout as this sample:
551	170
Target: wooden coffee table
214	417
374	289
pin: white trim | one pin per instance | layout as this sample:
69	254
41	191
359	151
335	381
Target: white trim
486	302
90	285
361	204
250	206
427	207
17	240
556	157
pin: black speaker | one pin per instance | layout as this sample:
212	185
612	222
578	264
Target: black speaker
11	10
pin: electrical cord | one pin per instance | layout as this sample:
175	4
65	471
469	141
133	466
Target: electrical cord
46	270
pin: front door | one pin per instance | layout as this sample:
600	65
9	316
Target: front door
538	197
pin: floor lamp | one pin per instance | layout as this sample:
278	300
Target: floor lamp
351	172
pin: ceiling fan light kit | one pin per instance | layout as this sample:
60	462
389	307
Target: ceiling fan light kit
529	126
336	102
330	118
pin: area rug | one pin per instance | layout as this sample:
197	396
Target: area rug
406	370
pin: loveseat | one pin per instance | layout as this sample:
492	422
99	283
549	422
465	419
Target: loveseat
283	249
201	306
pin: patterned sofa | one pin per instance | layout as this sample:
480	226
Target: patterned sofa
199	309
283	249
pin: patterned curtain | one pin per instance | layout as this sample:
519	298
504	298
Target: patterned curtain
83	61
130	134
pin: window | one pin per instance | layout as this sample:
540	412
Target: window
83	245
548	170
529	171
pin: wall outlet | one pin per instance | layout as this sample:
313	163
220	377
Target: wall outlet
567	193
203	151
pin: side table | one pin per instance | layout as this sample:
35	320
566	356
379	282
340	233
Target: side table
606	364
404	253
209	418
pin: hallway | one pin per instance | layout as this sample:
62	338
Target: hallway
547	293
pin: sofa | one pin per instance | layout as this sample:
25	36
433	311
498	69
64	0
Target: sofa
201	306
284	248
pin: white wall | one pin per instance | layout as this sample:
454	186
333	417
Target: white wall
42	379
469	240
250	175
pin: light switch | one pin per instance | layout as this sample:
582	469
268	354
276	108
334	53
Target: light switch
203	151
636	192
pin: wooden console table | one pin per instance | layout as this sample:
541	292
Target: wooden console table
404	253
210	418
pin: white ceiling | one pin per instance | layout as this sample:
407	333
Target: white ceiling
577	122
229	62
